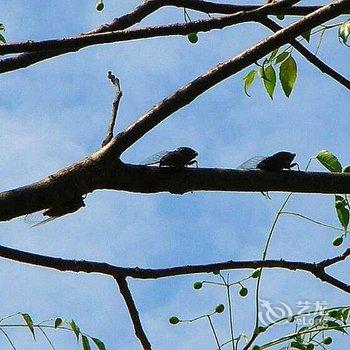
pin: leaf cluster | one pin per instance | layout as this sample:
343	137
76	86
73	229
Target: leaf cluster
288	71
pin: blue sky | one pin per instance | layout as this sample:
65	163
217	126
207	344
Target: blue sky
56	112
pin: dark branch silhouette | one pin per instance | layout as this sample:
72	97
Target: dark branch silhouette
134	314
81	41
53	48
317	269
118	95
222	71
103	169
90	175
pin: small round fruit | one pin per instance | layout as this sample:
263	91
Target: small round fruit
280	17
197	285
256	347
327	341
337	241
256	273
100	6
310	346
243	292
174	320
220	308
192	37
216	272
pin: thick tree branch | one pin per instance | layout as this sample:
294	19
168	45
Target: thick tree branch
151	6
134	314
222	71
87	176
313	59
104	170
126	21
76	43
316	269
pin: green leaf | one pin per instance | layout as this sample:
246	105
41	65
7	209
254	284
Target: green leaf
270	80
281	57
329	161
307	35
58	322
296	345
344	32
85	342
336	326
2	39
346	169
28	320
99	344
75	329
342	212
248	81
273	55
288	75
345	315
337	314
261	71
2	27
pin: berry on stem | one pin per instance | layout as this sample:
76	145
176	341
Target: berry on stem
197	285
220	308
337	241
100	6
192	37
243	292
174	320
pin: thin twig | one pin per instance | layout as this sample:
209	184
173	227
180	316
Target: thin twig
125	292
8	339
115	106
96	267
46	337
335	260
76	43
312	220
214	333
320	41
